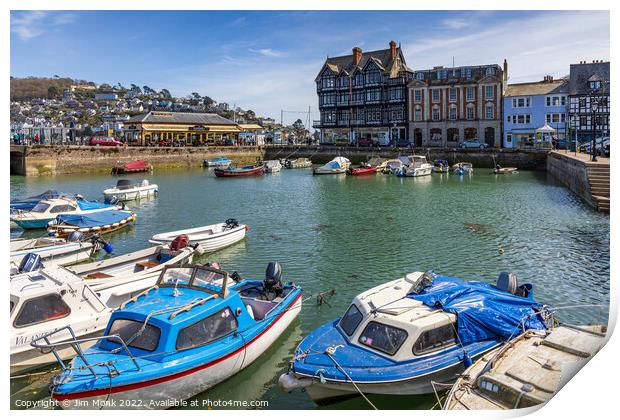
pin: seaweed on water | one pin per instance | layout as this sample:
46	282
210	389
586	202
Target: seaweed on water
476	227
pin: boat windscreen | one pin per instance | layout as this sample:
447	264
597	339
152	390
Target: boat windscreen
193	276
40	207
123	184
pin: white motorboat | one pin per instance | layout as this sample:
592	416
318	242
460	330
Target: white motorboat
210	237
57	250
298	163
53	298
392	166
463	168
526	371
415	166
143	264
47	210
272	166
125	190
337	165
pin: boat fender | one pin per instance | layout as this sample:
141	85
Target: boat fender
467	362
198	249
107	247
288	382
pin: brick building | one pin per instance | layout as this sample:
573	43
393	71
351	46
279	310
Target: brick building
449	105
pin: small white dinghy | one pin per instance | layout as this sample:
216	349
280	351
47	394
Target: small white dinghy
126	191
210	237
58	250
337	165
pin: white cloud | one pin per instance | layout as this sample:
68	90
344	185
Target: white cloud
32	24
268	52
456	23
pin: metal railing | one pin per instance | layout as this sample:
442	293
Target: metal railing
75	342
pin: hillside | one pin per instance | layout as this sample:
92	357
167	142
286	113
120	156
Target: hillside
40	87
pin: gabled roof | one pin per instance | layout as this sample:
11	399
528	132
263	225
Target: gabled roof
345	63
159	117
580	75
537	88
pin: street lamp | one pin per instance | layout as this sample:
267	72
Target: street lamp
593	107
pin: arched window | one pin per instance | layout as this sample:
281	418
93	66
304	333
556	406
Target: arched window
419	76
489	113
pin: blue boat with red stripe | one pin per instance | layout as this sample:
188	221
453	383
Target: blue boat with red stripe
195	328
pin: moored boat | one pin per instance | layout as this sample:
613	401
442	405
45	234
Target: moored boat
337	165
30	202
233	171
220	161
526	371
463	168
375	162
297	163
441	166
398	337
392	166
197	327
361	171
210	237
498	170
39	216
100	222
272	166
132	167
414	166
40	304
125	190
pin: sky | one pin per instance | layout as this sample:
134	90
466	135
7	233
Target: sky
267	61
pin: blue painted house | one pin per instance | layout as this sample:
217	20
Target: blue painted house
529	107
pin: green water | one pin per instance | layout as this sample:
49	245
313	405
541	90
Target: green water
349	234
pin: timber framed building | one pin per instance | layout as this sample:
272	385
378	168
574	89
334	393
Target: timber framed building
449	105
364	96
159	127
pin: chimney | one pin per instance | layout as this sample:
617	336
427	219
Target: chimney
505	75
357	55
392	50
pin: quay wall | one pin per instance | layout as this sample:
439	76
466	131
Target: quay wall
526	160
54	160
572	173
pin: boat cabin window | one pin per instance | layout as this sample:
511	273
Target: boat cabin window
435	339
351	320
62	208
211	328
40	208
203	278
385	338
41	309
132	334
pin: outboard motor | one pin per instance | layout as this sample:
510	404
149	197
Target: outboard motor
179	242
273	279
231	223
30	262
75	236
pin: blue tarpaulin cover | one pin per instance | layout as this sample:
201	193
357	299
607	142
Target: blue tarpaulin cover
94	219
483	311
30	202
91	205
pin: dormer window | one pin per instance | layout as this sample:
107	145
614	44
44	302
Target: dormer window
419	76
466	72
490	71
595	84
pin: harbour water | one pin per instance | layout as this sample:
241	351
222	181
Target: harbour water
347	234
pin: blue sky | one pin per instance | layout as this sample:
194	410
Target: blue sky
267	60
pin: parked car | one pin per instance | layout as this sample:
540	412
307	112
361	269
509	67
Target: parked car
403	143
366	143
105	141
472	144
602	146
342	142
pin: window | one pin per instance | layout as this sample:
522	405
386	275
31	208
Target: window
435	339
467	72
396	114
490	71
419	76
417	96
489	112
470	112
508	138
351	320
40	207
41	309
62	208
488	92
582	102
521	102
436	114
435	95
452	94
373	77
396	93
359	79
373	115
328	82
442	74
555	101
470	93
132	334
207	330
373	95
452	113
595	84
344	81
385	338
417	114
509	119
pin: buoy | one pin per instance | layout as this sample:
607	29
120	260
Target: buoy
501	250
467	362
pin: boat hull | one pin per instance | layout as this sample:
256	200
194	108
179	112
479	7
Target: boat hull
363	171
183	385
226	173
209	244
60	254
32	223
415	172
131	194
